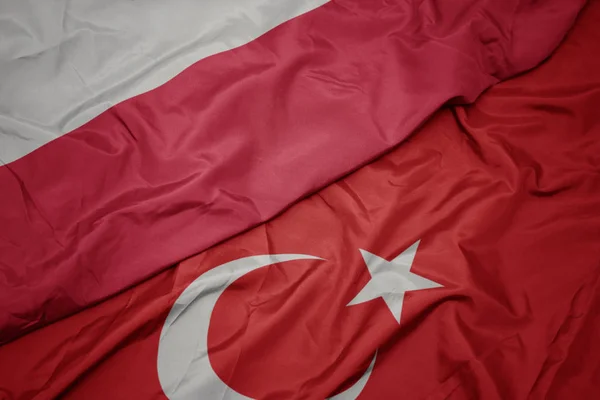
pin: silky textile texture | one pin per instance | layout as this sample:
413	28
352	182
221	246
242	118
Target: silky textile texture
503	197
66	61
237	137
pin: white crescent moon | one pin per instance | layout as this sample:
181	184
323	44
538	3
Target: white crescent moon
184	369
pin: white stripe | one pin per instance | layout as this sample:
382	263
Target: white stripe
63	62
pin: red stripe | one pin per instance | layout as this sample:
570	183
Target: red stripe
239	136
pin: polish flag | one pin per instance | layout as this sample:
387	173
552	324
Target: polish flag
134	134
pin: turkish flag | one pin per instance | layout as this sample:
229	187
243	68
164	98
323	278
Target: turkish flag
464	264
137	134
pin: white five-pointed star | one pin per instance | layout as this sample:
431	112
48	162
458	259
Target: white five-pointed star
390	280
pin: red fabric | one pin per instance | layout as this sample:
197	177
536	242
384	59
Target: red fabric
239	136
504	195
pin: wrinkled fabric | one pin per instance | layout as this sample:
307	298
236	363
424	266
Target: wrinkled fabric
237	137
504	196
68	61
